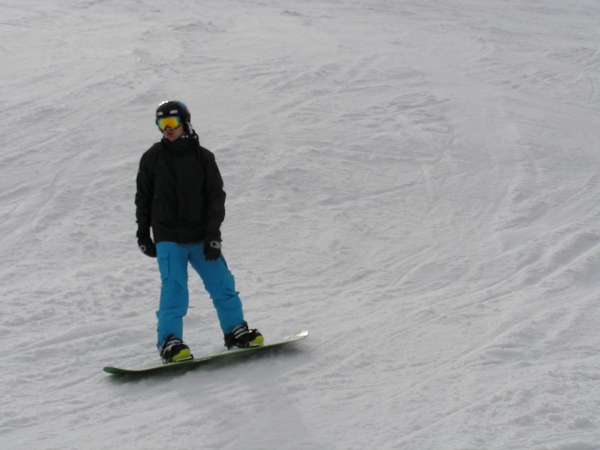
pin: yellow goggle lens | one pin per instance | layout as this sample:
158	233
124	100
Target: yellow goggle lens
171	122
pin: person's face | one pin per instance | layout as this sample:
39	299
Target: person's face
171	127
172	134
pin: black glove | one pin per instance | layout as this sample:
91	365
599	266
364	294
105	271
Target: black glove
145	244
212	246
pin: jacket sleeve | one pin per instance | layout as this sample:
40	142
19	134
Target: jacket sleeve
214	194
144	194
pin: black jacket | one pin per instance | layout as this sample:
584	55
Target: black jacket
179	192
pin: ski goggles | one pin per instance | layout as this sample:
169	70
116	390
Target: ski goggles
170	122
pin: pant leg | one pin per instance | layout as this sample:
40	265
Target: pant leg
174	297
220	284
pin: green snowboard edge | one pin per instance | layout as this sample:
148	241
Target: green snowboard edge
203	359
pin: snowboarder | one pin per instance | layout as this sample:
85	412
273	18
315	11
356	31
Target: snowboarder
180	197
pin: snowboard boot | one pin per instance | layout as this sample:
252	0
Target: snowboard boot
174	350
242	337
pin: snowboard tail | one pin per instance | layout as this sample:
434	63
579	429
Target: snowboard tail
190	363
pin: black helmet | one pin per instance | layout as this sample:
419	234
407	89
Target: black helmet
172	108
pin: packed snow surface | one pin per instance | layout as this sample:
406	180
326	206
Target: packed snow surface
415	182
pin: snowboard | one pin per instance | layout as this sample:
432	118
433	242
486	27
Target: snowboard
191	363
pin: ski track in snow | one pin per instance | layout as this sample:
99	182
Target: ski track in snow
415	183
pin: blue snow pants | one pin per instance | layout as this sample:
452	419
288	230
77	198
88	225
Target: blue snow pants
218	281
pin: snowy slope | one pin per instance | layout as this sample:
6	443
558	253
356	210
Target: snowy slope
416	183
